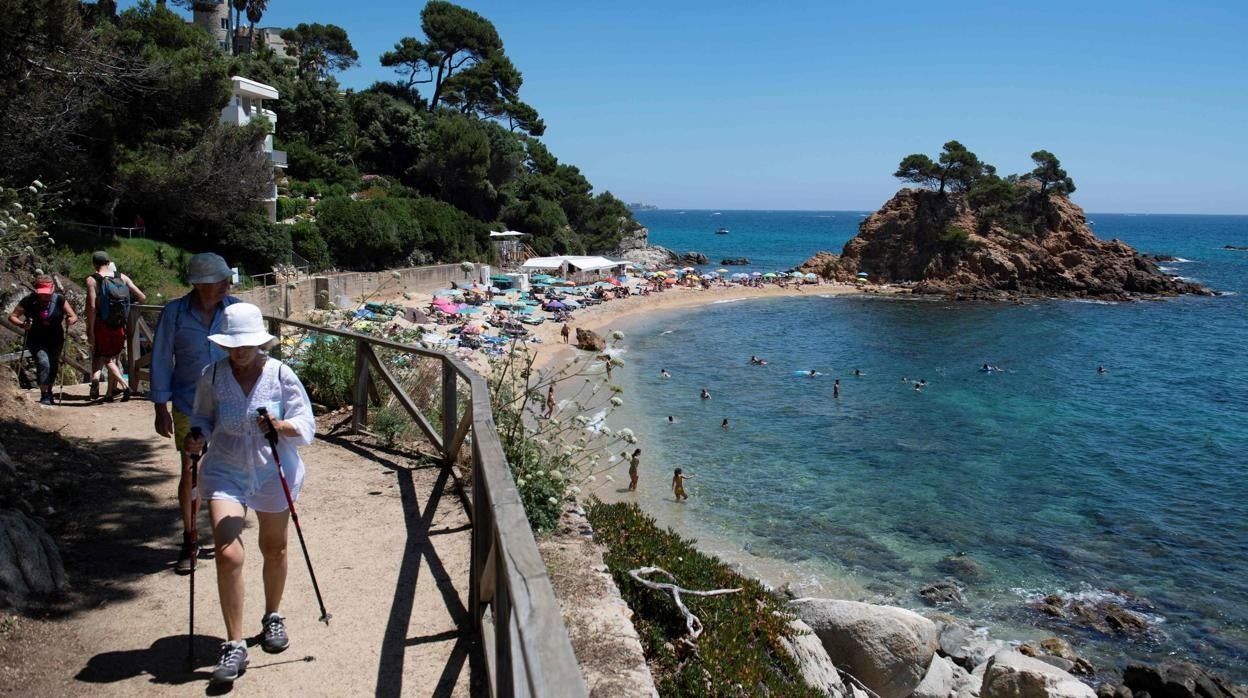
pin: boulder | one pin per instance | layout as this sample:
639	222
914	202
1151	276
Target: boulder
944	679
819	264
1103	614
735	261
589	340
942	592
30	563
692	258
1009	674
1179	680
967	647
888	649
812	659
961	566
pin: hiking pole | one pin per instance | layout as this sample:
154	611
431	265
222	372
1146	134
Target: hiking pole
197	434
272	437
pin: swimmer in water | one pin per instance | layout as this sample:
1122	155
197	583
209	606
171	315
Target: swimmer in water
857	373
813	373
678	485
836	389
706	394
724	425
671	419
664	374
1101	369
905	380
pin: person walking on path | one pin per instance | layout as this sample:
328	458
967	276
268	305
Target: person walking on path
180	352
550	402
44	315
239	471
109	295
566	332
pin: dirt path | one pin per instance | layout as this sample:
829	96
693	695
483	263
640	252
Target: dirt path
388	537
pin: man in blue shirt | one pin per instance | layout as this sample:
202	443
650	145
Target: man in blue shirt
180	352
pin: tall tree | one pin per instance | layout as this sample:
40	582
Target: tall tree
320	49
255	10
957	169
239	7
1050	174
918	168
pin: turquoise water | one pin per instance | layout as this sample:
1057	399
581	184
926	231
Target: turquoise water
1050	476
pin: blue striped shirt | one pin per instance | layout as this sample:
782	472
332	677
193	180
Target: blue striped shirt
181	350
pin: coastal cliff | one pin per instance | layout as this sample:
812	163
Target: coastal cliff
944	244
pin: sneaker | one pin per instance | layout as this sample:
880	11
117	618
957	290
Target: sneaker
232	663
95	390
46	399
125	395
187	556
273	636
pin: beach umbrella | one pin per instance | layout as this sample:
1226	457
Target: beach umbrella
689	269
613	281
863	274
553	305
757	273
468	310
721	271
769	275
669	280
797	275
811	275
740	275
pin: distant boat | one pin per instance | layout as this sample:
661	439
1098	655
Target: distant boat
721	231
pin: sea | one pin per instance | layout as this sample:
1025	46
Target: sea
1047	477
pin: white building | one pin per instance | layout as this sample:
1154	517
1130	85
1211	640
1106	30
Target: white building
246	103
577	267
213	16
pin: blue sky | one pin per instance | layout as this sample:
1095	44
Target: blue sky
810	105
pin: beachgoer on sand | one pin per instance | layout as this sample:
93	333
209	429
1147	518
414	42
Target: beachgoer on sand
240	471
678	485
634	464
550	402
180	352
566	332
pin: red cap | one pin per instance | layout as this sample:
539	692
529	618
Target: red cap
44	288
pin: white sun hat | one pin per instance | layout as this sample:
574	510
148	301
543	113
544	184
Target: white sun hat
242	326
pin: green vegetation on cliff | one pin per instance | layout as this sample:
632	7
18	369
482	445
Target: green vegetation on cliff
120	113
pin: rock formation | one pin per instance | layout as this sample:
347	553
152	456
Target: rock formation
635	247
589	340
944	245
735	261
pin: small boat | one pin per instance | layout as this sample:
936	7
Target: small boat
721	231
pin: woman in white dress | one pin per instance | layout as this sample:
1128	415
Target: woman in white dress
238	471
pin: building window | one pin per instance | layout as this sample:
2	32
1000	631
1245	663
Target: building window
225	23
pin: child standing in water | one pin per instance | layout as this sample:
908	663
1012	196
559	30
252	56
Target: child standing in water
678	485
634	465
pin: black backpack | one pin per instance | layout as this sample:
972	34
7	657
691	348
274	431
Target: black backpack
112	299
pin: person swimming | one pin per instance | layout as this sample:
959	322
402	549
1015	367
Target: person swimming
836	389
706	394
857	373
671	419
813	373
664	374
724	425
1101	369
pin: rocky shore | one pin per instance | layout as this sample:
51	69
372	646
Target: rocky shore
939	243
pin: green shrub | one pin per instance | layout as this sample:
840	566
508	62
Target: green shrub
327	368
391	423
954	240
306	240
288	207
738	653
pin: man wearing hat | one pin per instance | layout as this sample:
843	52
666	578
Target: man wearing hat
180	352
109	294
41	315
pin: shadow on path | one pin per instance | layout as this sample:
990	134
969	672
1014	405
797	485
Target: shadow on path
419	546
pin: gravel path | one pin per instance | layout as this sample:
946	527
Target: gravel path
388	537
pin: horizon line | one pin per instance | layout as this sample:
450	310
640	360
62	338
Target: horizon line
865	210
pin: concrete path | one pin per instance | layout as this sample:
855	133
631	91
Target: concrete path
388	537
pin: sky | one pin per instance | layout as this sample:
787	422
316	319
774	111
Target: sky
811	105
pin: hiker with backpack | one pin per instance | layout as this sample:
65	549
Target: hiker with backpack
109	296
180	352
44	315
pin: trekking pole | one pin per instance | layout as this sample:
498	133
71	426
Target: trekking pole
272	437
196	433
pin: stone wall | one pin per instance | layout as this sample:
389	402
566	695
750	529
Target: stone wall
294	299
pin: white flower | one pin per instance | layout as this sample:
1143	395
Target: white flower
591	478
616	401
617	361
51	241
625	434
556	475
575	490
38	184
581	420
396	275
553	500
539	473
595	390
17	205
554	422
616	334
606	431
609	478
520	482
32	189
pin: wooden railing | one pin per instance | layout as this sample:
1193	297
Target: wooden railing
511	603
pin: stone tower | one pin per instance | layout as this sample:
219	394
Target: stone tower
214	17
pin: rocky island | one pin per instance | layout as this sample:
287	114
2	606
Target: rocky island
968	233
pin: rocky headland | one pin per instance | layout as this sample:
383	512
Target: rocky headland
635	247
943	243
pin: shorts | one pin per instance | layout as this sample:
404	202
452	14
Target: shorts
268	499
181	428
109	341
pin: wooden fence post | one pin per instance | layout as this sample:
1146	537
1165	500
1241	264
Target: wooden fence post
133	348
275	329
359	403
450	419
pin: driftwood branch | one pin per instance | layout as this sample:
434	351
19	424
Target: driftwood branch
691	621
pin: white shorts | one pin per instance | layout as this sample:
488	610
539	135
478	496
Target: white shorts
269	498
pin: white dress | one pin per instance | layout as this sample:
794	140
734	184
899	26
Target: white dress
239	464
